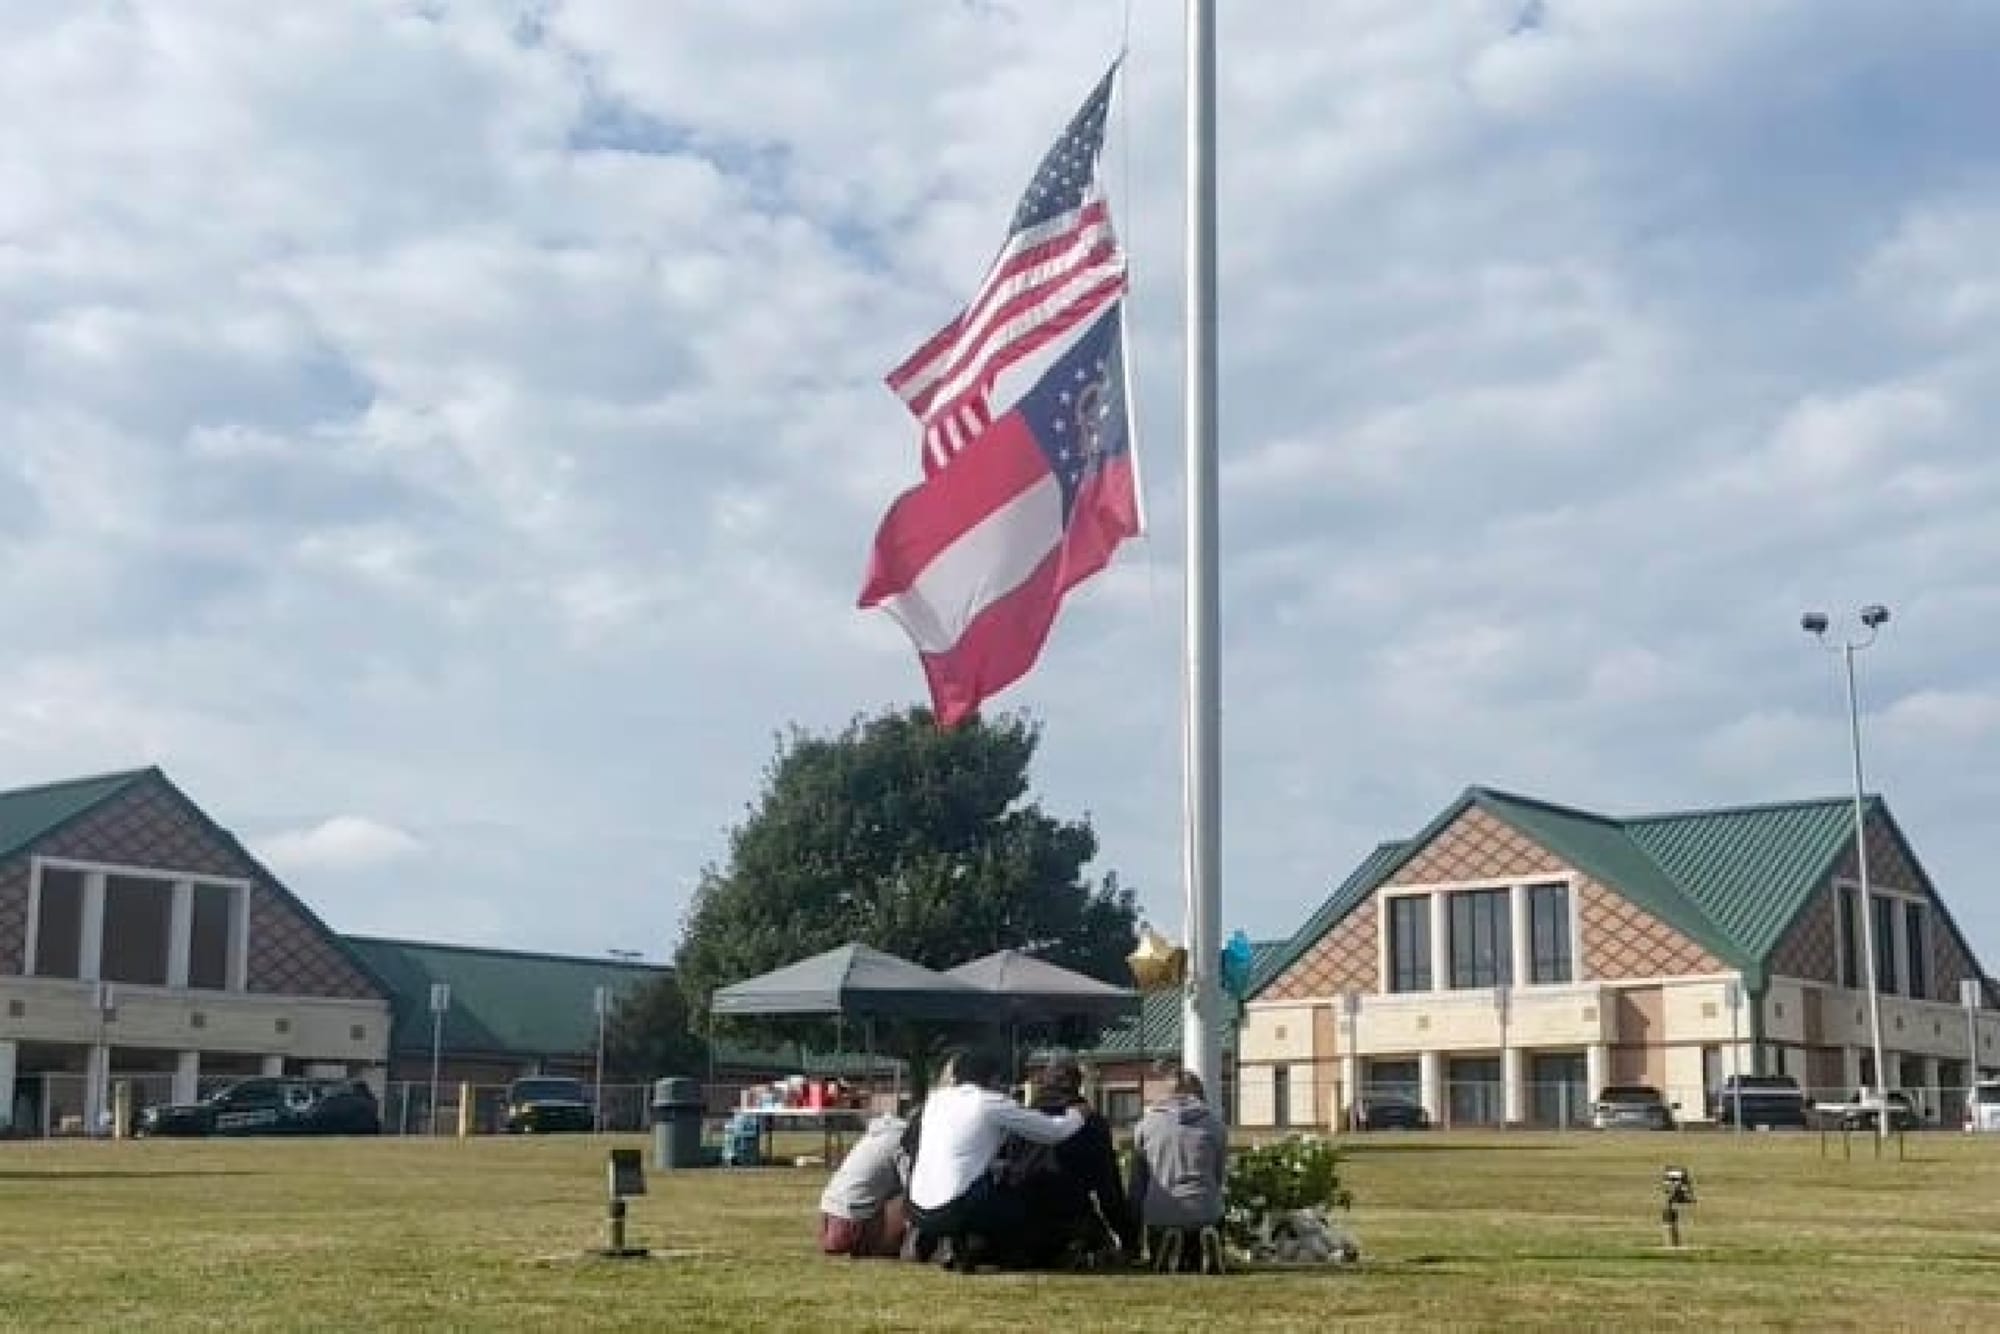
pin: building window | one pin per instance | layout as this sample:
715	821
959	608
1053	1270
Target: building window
59	923
1918	978
138	918
1850	930
1885	944
1481	938
1410	943
1281	1096
208	937
1548	934
1122	1107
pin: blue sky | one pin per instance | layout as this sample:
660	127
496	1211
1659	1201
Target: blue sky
448	437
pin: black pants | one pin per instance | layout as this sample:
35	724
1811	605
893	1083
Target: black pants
986	1220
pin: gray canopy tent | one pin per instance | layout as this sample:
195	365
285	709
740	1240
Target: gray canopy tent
853	982
1025	990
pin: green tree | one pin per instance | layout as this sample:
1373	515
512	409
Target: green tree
921	841
649	1035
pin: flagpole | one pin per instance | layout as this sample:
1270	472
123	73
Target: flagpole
1202	817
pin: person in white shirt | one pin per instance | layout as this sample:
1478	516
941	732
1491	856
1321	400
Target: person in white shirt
952	1191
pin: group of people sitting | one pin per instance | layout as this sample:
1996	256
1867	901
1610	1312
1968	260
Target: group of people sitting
975	1177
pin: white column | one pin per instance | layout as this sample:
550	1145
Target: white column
273	1066
187	1076
1899	934
90	937
1596	1069
1517	919
8	1053
96	1087
1933	1095
1350	1090
1850	1069
1430	1074
1440	954
180	933
239	939
1513	1088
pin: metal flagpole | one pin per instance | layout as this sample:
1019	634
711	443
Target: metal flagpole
1202	817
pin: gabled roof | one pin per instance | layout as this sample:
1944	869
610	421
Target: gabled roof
1732	879
29	814
510	1003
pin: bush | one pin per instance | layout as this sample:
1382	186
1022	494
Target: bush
1274	1180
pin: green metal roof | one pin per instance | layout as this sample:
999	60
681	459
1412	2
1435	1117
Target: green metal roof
1751	869
1156	1030
1732	879
28	814
503	1002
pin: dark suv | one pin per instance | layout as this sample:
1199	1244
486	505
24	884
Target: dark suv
546	1103
267	1106
1631	1107
1766	1100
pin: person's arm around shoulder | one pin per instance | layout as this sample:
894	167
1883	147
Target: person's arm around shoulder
1032	1125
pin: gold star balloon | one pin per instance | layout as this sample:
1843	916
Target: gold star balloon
1158	964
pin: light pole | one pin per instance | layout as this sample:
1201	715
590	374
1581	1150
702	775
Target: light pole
1815	623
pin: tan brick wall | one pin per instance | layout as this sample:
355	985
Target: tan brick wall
1810	950
1344	959
1621	940
149	825
1476	846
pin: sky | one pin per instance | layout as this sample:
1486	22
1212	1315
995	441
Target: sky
447	437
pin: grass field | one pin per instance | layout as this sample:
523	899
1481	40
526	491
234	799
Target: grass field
1513	1231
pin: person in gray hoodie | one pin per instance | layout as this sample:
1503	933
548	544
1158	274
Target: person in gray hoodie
1180	1154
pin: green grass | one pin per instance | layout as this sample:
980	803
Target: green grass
1490	1232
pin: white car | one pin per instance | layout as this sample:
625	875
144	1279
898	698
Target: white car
1982	1109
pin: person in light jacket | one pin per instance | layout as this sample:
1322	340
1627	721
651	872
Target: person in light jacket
1180	1155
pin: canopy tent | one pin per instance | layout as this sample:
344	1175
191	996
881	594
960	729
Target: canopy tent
1027	988
855	981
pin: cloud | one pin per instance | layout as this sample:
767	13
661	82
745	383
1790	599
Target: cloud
480	408
336	844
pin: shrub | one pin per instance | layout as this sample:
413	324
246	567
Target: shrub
1301	1172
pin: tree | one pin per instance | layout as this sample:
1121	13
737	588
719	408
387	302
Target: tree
648	1034
916	840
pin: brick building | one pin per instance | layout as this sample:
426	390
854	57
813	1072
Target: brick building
1516	956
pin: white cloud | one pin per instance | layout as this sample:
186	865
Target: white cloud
338	843
480	408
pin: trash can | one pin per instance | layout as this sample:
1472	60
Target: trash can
677	1109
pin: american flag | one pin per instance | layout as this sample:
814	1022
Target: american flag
1060	264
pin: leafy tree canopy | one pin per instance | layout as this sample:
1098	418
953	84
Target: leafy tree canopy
916	840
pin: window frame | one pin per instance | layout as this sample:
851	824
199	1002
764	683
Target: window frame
1465	969
1561	959
1419	977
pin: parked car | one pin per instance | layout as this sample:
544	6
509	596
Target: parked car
1775	1101
544	1104
1390	1111
1631	1107
1859	1111
1982	1108
269	1106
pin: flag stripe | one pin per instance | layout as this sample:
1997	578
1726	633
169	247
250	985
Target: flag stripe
929	518
969	362
1030	330
1001	643
1029	267
987	565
